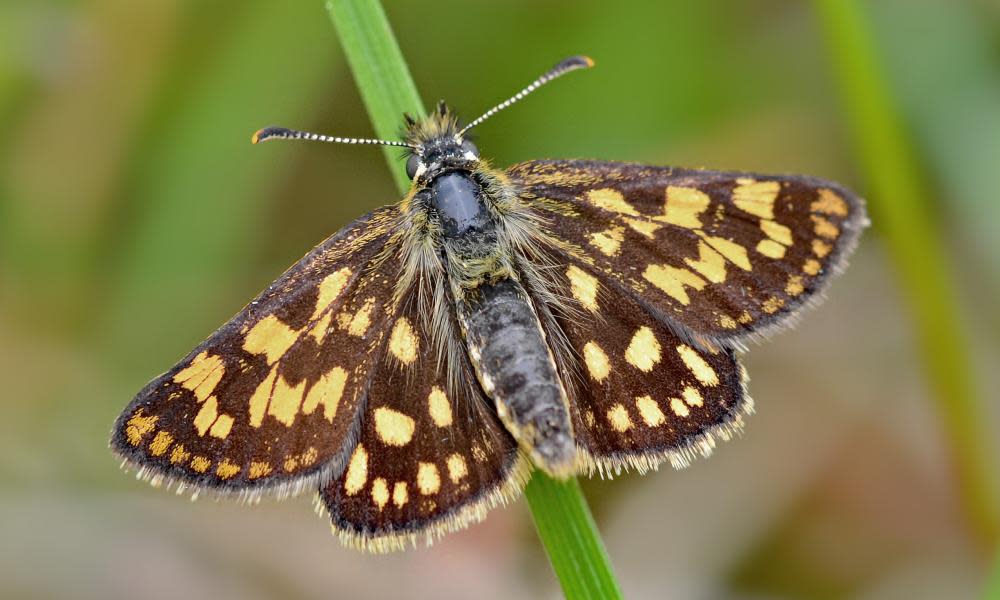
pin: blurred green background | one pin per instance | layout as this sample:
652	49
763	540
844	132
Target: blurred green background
135	217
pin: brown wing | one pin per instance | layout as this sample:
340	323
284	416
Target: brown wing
270	402
645	394
725	256
429	460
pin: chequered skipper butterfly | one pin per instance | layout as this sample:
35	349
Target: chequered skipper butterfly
574	316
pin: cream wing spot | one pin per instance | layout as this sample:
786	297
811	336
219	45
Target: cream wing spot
671	281
643	351
393	427
439	407
611	200
357	471
202	375
608	242
270	337
400	494
428	478
285	401
403	342
161	441
829	202
650	411
380	492
457	468
701	370
222	426
619	419
756	197
771	249
583	286
679	408
597	362
710	264
327	391
259	398
684	206
330	289
692	396
206	415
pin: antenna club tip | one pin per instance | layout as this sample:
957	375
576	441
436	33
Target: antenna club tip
255	138
262	135
579	61
587	61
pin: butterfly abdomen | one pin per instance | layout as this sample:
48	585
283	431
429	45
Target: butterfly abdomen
516	369
503	336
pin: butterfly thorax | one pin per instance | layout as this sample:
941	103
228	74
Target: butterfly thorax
463	202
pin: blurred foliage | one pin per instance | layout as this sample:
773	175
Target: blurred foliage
135	217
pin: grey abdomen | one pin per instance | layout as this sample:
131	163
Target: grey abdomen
516	369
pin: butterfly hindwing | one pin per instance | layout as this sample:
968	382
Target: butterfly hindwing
644	394
270	401
429	459
726	256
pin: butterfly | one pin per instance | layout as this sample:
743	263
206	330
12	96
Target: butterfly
572	316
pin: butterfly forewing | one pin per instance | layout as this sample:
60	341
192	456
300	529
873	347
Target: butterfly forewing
429	459
645	394
723	255
270	401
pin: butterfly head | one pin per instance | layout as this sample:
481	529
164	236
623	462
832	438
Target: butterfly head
437	145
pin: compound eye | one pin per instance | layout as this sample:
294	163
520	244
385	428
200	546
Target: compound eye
412	164
468	146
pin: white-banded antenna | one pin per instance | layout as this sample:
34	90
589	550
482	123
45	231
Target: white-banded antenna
269	133
565	66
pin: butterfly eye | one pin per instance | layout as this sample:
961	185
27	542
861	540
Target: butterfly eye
412	164
468	146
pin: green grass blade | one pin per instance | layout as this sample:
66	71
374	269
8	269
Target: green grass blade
571	538
560	511
900	205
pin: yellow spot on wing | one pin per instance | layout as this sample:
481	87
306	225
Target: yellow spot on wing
207	415
683	206
359	323
756	197
771	305
380	492
680	409
794	286
222	426
227	469
259	398
457	468
829	202
733	252
161	441
202	375
403	342
330	288
727	322
319	330
643	351
596	361
327	391
811	267
611	200
619	419
138	426
777	232
393	427
702	371
285	401
650	411
200	464
259	469
584	286
710	263
642	226
672	280
771	249
608	242
399	494
357	471
270	337
821	248
179	455
428	480
824	228
692	396
439	407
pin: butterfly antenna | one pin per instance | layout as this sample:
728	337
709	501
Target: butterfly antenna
565	66
270	133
